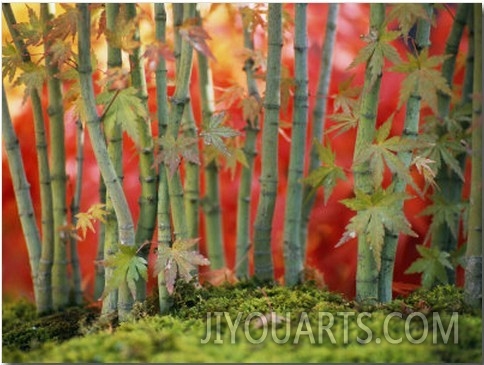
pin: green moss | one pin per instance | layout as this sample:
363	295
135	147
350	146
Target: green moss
178	336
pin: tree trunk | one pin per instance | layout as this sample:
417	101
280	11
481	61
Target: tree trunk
366	271
269	170
473	273
293	256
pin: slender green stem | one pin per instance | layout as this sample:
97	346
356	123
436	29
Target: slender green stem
211	201
367	272
113	184
410	130
319	116
452	49
473	273
76	201
99	270
148	178
269	168
293	258
47	219
178	102
114	140
245	187
164	224
192	175
22	195
447	180
60	284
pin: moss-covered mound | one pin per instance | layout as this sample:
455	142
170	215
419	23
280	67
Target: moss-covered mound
252	323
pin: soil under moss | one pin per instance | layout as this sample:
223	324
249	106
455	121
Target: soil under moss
308	325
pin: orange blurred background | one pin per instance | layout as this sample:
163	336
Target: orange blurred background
338	265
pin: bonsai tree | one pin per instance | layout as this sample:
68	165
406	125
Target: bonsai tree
132	94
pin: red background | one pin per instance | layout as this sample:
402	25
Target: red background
327	222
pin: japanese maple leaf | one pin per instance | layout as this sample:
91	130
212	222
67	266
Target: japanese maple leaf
127	267
173	150
376	213
328	174
154	51
197	37
123	107
407	16
377	50
432	264
214	131
179	261
423	79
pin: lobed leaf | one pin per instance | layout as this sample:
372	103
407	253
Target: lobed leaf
197	37
179	261
214	131
432	264
407	16
125	108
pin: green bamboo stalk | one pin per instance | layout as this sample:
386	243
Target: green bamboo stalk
60	283
189	129
164	224
113	184
447	180
99	273
47	220
319	116
177	13
211	201
245	187
293	258
367	272
269	168
452	49
22	196
410	130
114	140
76	279
148	178
192	175
473	273
178	103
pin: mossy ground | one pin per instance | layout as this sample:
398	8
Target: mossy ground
76	336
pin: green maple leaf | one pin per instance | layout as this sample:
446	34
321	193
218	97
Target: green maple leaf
11	60
443	212
123	107
327	175
444	151
432	265
61	52
376	214
384	152
65	24
179	261
31	32
236	156
347	97
377	50
423	79
407	15
172	151
127	267
214	131
123	32
32	77
344	122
